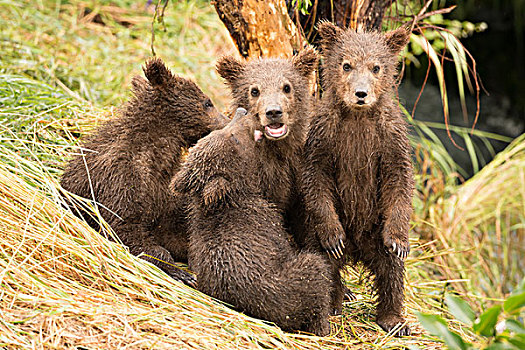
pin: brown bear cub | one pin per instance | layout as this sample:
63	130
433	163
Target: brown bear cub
238	245
127	164
359	178
275	92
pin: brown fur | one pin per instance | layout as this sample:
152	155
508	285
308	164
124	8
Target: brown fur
358	179
128	162
239	247
279	161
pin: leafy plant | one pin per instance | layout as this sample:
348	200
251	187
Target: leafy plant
499	327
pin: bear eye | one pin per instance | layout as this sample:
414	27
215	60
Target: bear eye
347	67
255	92
208	104
287	88
376	69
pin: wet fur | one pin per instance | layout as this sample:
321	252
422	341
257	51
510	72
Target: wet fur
131	159
279	160
239	247
359	178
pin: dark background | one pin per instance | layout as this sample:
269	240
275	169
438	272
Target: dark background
499	54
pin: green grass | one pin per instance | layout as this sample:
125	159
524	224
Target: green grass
62	284
55	42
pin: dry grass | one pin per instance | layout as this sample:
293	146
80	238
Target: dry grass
485	218
64	285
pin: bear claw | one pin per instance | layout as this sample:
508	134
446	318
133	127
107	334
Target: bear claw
400	251
398	248
348	295
186	278
336	250
403	330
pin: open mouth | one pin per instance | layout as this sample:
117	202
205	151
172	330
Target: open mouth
360	102
276	130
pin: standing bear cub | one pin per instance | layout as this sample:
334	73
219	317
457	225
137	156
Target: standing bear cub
358	178
238	245
127	164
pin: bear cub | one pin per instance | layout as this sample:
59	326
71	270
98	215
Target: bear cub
358	181
127	164
238	246
275	93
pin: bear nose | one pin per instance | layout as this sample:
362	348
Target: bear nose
274	112
361	93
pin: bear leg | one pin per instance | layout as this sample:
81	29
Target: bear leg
389	271
141	242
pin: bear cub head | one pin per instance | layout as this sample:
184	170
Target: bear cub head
217	169
359	67
172	100
275	91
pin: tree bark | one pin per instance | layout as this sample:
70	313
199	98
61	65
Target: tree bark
260	28
371	13
275	28
357	14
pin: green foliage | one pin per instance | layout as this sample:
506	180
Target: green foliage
460	309
302	5
437	326
91	49
498	327
437	39
486	323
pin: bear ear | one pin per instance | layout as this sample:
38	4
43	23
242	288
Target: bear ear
156	72
397	39
329	33
230	68
138	85
306	61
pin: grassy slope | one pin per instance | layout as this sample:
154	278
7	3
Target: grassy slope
63	284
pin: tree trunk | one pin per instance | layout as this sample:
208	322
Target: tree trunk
357	14
267	29
260	28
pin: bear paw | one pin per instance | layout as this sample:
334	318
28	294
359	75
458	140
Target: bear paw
184	276
396	323
348	294
398	247
332	241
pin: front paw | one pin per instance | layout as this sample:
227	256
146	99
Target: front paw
348	294
185	277
396	324
332	241
397	246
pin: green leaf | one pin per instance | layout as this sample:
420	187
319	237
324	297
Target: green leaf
472	153
460	309
500	346
518	341
515	326
487	321
520	288
437	326
514	303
